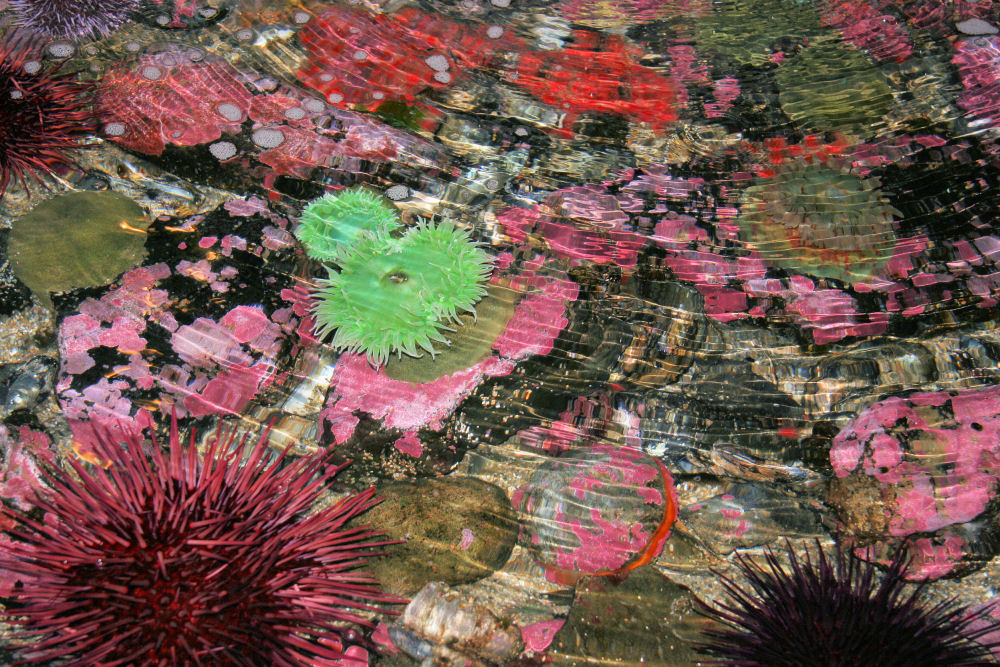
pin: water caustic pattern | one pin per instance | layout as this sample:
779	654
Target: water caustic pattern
676	288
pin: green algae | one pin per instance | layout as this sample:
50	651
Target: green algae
828	86
750	31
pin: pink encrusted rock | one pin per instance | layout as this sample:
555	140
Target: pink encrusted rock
538	318
935	457
126	349
596	510
205	343
880	35
595	240
359	387
538	636
978	62
20	478
170	98
409	444
830	315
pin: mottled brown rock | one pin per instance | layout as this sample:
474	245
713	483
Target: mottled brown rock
862	506
457	530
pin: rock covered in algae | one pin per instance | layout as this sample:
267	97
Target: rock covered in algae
931	459
751	31
816	218
457	530
828	86
597	510
77	239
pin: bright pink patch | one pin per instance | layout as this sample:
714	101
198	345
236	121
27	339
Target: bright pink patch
409	444
538	636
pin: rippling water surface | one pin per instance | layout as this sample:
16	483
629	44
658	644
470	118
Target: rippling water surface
600	296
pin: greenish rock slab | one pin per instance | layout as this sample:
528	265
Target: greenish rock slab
456	530
644	620
78	239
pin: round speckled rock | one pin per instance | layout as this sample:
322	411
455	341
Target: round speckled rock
598	510
457	530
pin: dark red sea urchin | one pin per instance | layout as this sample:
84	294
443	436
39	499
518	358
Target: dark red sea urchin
43	114
74	19
169	559
840	612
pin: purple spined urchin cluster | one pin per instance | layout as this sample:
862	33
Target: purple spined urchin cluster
171	558
73	19
840	612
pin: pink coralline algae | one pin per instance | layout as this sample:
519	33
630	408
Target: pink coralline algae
224	348
359	58
939	15
20	481
880	35
177	97
831	315
936	459
598	510
182	97
978	62
358	387
594	235
137	348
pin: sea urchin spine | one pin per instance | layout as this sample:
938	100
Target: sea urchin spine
73	19
840	613
171	559
43	115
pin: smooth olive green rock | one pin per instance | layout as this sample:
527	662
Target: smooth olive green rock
457	530
78	239
644	620
750	31
471	341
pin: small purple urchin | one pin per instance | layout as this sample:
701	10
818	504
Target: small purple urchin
840	613
73	19
171	559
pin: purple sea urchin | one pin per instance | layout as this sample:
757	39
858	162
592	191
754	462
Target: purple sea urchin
398	294
43	114
840	613
334	222
173	559
75	19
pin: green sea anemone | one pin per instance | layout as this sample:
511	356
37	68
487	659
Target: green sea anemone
819	219
399	294
334	222
828	86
